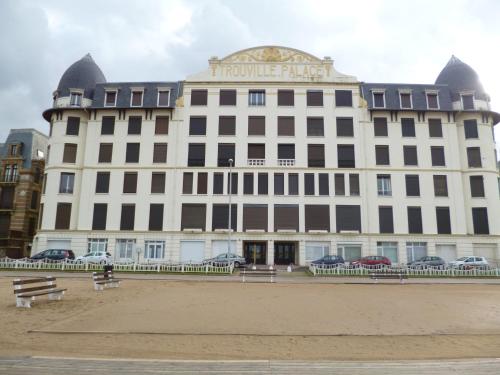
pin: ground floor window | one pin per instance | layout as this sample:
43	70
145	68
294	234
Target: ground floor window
349	252
316	250
416	250
97	244
389	250
154	250
125	248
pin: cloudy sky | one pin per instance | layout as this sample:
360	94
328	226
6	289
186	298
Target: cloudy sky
374	40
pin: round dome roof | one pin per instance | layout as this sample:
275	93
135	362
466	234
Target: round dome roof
83	74
461	77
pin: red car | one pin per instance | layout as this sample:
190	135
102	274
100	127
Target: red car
373	260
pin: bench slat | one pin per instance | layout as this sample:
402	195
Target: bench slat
107	281
34	294
32	281
35	288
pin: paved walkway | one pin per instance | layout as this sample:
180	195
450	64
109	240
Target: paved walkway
60	366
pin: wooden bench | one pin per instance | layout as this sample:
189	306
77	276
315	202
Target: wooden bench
401	275
42	286
105	279
262	273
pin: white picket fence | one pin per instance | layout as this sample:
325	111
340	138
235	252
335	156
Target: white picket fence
324	270
69	265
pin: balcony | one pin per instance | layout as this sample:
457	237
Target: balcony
9	178
256	162
286	162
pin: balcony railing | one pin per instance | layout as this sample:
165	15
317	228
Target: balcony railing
286	162
9	177
256	162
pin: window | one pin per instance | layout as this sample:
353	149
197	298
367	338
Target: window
125	248
470	129
314	98
348	218
435	128
354	184
443	220
4	227
380	126
480	220
345	127
345	156
248	183
317	217
102	182
156	216
154	249
160	153
132	153
385	219
99	216
286	217
316	156
437	156
224	154
105	152
199	97
97	245
218	187
136	98
468	101
474	157
476	186
339	184
315	127
7	197
161	124
323	184
34	200
316	250
378	100
110	100
73	126
108	125
75	99
196	155
405	100
389	250
279	184
412	185
256	125
255	217
343	98
66	183
414	220
14	149
163	98
309	184
227	97
63	216
187	183
227	125
130	182
262	184
382	155
197	125
440	186
220	216
432	101
69	154
286	151
193	216
410	155
44	183
202	183
158	183
127	218
293	184
384	187
257	151
256	97
234	183
286	98
416	250
408	127
286	126
134	125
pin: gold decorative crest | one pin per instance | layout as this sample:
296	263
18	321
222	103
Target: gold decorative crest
271	54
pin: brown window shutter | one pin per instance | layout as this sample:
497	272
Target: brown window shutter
308	183
224	153
323	184
348	217
197	125
256	125
339	184
255	217
220	216
160	153
262	184
279	184
63	216
410	155
102	182
202	183
314	98
346	156
286	126
443	220
293	184
105	152
343	98
412	185
99	217
130	182
286	151
218	183
286	98
158	182
227	125
127	219
234	183
432	101
354	184
435	128
134	125
256	151
69	155
156	216
414	220
73	126
108	125
380	126
316	155
440	186
315	127
196	155
199	97
480	220
193	216
385	219
187	183
227	97
382	155
161	124
345	127
474	157
317	217
132	153
137	98
476	186
286	217
437	155
248	183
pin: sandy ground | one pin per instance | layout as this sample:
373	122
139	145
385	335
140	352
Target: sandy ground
212	320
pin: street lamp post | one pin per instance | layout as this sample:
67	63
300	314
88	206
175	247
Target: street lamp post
229	215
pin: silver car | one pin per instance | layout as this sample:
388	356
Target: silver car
221	259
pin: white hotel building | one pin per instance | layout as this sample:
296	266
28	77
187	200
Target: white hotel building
323	163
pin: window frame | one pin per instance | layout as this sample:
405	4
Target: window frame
436	93
382	92
134	90
106	92
160	90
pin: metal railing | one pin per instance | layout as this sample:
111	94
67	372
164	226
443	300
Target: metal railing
9	177
286	162
256	162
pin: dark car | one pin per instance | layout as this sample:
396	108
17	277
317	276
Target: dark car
427	262
329	260
54	254
374	261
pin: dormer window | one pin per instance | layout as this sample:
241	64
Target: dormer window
13	150
136	98
75	99
378	99
405	100
163	98
468	101
432	100
110	100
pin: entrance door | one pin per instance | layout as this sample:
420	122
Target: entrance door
255	252
284	253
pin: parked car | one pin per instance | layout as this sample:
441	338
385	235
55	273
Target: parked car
221	259
100	257
329	260
54	254
426	262
372	261
469	262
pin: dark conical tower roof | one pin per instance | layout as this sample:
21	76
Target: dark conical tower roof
461	77
83	74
